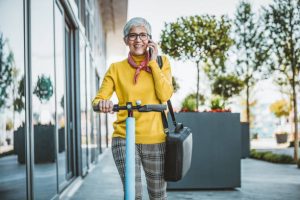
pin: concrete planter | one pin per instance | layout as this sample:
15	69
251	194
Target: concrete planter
245	136
281	138
216	151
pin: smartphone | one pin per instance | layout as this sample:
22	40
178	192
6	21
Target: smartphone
150	50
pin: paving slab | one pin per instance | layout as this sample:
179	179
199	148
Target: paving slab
260	181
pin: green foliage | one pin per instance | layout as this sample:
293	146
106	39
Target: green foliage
18	103
7	153
175	84
280	108
227	86
250	44
201	39
271	157
217	103
189	102
43	89
298	163
6	71
283	26
197	38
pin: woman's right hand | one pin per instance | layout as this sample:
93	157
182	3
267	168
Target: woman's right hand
106	106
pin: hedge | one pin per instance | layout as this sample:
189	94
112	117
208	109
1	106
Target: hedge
271	157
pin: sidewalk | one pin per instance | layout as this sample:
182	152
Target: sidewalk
260	181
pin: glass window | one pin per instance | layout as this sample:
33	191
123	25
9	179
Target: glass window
89	107
43	99
12	101
61	114
82	12
83	105
95	124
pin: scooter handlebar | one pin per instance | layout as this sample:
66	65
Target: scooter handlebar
153	108
144	108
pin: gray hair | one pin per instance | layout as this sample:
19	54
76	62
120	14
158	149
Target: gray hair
134	22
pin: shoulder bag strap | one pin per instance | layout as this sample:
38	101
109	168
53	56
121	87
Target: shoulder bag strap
164	118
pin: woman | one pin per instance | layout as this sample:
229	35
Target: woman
139	77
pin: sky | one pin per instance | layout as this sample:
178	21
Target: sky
157	12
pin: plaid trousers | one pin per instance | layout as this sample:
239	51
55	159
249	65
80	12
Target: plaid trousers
152	158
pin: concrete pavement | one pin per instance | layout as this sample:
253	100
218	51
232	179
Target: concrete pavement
260	181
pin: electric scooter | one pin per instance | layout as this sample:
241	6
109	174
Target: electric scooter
130	141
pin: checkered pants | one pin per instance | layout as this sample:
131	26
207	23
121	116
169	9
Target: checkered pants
152	157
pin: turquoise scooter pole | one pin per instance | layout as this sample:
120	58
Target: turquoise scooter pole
130	141
130	155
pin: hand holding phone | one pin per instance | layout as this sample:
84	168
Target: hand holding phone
151	50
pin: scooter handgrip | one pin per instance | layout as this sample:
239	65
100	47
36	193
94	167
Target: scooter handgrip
155	108
116	108
96	108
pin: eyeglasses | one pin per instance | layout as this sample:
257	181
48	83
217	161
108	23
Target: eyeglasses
142	36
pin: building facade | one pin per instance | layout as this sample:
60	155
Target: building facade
52	58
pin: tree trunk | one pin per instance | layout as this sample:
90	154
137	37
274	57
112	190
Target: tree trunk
296	140
198	80
247	103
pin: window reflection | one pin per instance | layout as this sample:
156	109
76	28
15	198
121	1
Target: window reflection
12	101
43	98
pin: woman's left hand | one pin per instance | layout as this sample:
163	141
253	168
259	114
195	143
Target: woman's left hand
154	48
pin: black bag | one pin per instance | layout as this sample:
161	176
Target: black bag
179	145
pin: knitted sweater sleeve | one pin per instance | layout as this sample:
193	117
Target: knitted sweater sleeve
107	87
162	79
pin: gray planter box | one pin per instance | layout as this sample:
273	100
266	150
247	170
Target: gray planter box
216	151
245	139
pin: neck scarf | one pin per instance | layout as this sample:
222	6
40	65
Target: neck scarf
142	66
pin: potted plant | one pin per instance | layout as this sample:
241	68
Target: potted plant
217	104
281	137
189	103
8	127
281	110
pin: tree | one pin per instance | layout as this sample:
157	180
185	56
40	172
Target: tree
6	71
227	86
43	89
283	26
250	49
19	102
201	39
280	108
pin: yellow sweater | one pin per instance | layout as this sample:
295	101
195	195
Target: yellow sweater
151	88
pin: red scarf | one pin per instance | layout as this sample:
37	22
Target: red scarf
142	66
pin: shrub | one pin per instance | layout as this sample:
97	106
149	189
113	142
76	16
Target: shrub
271	157
189	103
298	163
